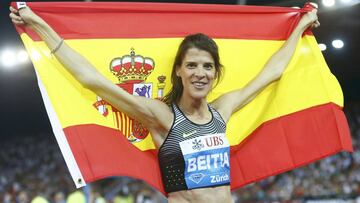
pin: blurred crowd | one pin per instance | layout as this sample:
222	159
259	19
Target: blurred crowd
32	169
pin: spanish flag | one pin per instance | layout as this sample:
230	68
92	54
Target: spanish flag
292	122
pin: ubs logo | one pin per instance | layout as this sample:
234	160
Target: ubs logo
214	141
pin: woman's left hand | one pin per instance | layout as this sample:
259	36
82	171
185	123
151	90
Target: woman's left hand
309	19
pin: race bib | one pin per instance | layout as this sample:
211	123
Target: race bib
207	160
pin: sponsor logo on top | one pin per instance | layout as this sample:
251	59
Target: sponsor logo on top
185	135
203	143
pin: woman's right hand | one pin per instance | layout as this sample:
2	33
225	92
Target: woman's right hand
24	16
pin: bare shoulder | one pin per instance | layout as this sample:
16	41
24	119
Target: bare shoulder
221	106
155	104
162	119
161	113
228	103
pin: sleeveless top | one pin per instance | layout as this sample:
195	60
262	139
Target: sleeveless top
195	155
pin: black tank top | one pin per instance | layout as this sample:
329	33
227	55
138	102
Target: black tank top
171	159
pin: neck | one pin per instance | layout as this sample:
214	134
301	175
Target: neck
193	107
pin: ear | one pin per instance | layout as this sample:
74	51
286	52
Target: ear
177	71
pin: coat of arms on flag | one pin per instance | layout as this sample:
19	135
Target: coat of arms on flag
131	71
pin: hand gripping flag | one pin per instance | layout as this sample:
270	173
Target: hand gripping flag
292	122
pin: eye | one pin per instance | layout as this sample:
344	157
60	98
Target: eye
191	65
208	66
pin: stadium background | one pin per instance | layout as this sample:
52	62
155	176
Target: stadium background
32	167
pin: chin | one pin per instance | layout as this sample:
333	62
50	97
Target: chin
199	95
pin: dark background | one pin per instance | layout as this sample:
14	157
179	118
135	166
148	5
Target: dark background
22	111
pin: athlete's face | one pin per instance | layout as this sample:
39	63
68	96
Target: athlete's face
197	73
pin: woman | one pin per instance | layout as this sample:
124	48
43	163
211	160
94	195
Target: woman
184	122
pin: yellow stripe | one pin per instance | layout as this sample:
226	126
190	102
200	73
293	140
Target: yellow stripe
307	81
128	125
131	122
123	124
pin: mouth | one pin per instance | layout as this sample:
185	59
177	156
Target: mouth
199	85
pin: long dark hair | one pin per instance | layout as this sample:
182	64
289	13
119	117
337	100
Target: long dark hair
199	41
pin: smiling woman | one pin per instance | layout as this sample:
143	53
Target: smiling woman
197	74
197	54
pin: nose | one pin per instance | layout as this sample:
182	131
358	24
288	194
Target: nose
199	72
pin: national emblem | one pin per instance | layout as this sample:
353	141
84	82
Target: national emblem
131	71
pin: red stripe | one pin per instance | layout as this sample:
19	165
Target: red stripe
94	20
276	146
289	142
103	152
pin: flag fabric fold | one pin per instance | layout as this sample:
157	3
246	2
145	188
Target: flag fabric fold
292	122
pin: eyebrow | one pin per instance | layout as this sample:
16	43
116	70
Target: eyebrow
207	63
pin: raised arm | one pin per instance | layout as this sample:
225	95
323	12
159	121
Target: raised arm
232	101
142	109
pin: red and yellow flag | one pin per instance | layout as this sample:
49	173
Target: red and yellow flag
294	121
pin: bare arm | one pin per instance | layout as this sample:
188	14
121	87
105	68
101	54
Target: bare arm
232	101
144	110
